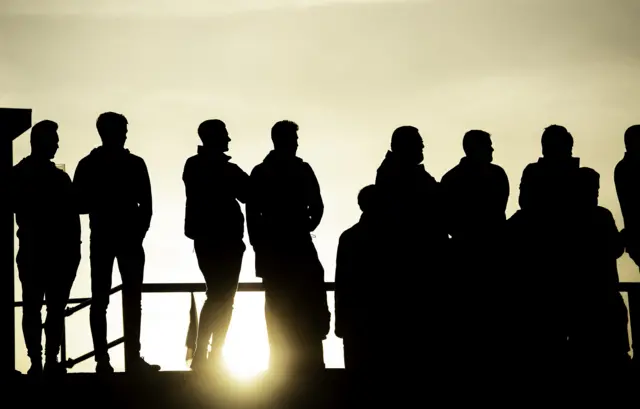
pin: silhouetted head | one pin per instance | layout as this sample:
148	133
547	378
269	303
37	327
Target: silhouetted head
44	139
557	142
213	134
112	128
407	144
367	199
284	135
477	146
632	139
589	186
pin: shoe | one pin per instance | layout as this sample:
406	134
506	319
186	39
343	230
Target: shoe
142	366
35	369
104	367
54	368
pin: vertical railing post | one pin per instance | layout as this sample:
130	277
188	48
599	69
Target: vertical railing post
63	343
127	338
634	319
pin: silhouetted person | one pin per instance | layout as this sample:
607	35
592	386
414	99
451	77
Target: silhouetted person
113	188
547	248
627	180
598	336
356	292
49	244
215	223
475	195
284	208
415	243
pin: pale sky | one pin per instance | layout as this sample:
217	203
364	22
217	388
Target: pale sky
348	72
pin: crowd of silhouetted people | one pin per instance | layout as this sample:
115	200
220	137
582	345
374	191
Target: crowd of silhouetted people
433	275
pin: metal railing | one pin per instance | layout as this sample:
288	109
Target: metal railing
632	290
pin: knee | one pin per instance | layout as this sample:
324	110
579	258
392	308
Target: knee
99	304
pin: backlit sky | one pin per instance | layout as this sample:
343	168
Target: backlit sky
348	72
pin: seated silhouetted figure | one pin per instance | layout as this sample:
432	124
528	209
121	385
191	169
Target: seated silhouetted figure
215	223
285	206
547	245
475	195
627	180
356	293
113	188
415	241
49	244
598	337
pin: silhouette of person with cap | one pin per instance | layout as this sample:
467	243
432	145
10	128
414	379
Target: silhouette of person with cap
215	223
114	189
284	208
49	245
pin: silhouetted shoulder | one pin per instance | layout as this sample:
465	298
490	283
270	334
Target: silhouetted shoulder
605	214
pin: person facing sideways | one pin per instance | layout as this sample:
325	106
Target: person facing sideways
598	336
627	177
214	221
356	298
49	245
475	195
285	207
114	189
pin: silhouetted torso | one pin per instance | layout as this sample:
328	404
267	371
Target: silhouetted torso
213	187
114	189
409	198
46	214
475	196
548	186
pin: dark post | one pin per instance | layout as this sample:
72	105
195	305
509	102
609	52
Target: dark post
13	123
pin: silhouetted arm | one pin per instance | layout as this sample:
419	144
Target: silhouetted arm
629	198
527	190
315	203
82	188
253	209
241	184
504	191
145	201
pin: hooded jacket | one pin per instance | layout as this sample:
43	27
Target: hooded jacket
285	199
214	186
114	189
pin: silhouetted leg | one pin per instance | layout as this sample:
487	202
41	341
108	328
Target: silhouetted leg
274	316
220	267
131	260
33	297
102	256
58	289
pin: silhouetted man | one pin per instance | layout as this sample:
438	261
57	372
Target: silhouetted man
475	195
598	337
49	244
415	242
215	223
114	190
548	200
627	180
355	294
284	208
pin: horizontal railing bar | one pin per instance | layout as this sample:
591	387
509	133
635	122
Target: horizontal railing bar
73	362
201	287
243	287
